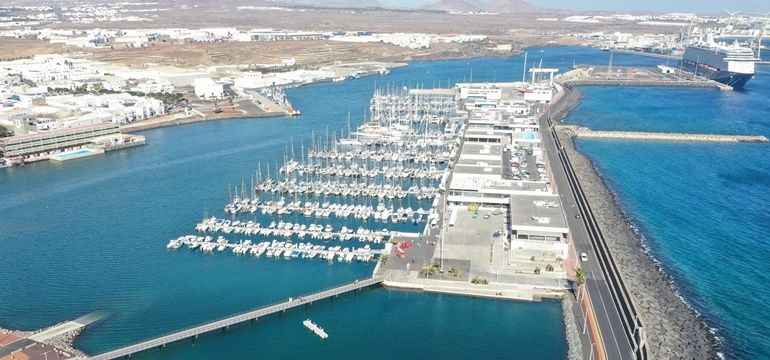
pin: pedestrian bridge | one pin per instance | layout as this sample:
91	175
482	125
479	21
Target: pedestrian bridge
225	323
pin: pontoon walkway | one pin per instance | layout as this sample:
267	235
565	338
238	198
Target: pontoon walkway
233	320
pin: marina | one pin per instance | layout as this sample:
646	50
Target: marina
377	184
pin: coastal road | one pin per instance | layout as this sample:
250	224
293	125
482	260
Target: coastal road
608	316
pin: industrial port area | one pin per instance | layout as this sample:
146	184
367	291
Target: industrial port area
473	189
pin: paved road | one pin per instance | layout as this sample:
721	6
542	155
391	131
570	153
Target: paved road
616	343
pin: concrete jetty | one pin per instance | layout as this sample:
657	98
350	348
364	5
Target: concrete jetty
593	75
583	132
226	323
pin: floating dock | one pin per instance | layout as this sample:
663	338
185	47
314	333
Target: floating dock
315	328
583	132
276	249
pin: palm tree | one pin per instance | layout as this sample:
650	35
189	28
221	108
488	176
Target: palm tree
454	271
479	280
580	276
428	271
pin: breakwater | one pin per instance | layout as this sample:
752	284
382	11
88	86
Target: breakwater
673	329
583	132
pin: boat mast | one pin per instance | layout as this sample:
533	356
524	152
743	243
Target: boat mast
524	72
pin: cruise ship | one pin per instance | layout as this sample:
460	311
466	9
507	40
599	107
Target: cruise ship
731	65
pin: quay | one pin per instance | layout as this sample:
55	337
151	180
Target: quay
226	323
583	132
662	76
647	54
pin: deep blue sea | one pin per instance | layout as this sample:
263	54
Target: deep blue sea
702	207
90	234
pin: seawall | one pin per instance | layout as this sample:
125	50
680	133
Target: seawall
674	330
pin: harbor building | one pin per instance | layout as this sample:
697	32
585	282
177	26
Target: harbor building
66	143
501	154
207	89
504	221
538	223
42	144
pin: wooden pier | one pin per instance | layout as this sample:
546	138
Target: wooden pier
583	132
234	320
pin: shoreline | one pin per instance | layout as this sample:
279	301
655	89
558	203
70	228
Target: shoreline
175	119
192	119
674	328
64	342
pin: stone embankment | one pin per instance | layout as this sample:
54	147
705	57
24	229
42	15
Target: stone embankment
66	342
584	132
674	330
573	334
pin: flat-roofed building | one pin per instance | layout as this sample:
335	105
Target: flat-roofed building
537	218
205	88
44	143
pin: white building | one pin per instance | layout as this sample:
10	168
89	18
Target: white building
205	88
154	87
250	80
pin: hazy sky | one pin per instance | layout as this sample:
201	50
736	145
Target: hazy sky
701	6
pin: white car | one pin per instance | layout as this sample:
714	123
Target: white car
583	257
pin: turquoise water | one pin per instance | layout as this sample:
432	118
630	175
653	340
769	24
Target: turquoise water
702	207
90	236
78	152
65	156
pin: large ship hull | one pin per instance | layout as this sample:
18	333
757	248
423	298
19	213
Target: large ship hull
736	80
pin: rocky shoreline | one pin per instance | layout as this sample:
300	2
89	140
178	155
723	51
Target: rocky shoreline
674	330
575	351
